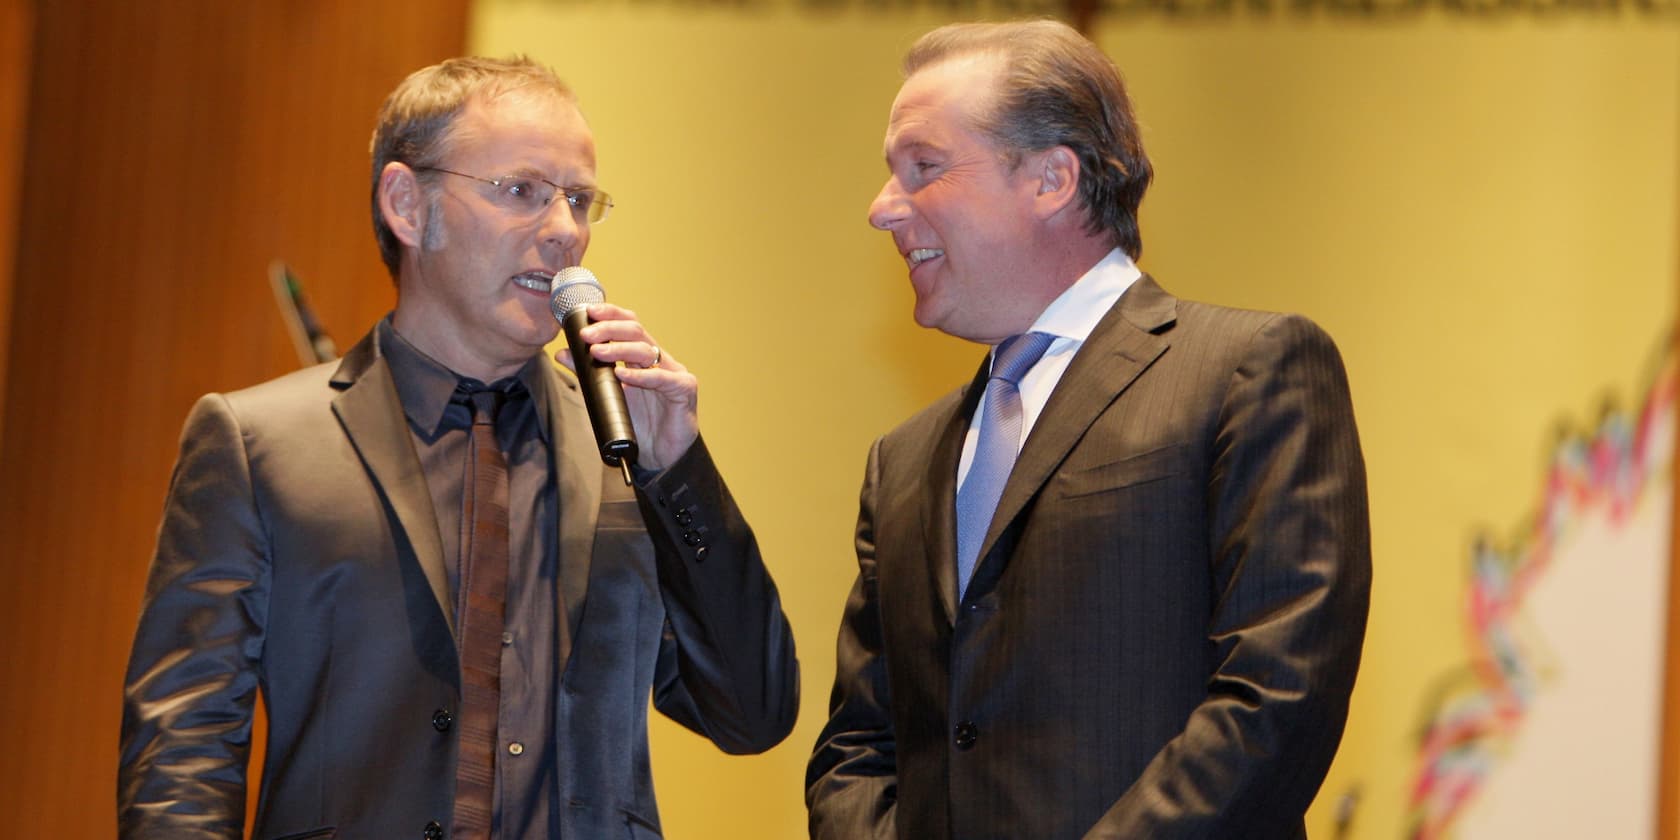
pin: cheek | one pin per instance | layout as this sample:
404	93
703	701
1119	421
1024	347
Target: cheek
955	212
932	210
503	243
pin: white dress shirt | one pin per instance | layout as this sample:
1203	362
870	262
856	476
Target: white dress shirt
1070	317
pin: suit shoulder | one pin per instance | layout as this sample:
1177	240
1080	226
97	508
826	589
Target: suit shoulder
299	388
1278	347
1247	331
299	393
1236	319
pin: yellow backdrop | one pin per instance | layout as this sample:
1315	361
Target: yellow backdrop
1481	209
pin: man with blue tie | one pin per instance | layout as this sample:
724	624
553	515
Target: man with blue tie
1115	587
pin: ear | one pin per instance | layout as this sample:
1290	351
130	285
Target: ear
402	202
1057	173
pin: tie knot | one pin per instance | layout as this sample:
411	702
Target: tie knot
485	404
1017	354
487	400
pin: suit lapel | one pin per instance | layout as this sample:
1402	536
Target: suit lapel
577	475
372	417
1123	344
939	511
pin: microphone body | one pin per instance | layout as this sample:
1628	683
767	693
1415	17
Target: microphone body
570	294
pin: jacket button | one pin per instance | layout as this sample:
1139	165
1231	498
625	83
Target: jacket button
700	554
433	831
966	735
441	720
691	538
684	517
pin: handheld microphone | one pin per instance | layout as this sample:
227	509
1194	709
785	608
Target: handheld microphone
571	292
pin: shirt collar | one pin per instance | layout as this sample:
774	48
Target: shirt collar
425	385
1075	312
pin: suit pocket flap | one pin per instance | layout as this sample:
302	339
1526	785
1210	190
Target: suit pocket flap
1129	471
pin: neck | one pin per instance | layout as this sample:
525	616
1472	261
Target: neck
1069	257
1056	265
445	343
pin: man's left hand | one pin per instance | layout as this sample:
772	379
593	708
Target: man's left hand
661	394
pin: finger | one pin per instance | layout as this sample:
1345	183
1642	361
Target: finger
640	355
672	385
605	332
604	311
611	322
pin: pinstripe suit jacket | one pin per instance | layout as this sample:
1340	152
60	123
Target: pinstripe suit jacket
1164	625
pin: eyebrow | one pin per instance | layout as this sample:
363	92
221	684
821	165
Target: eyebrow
533	172
907	147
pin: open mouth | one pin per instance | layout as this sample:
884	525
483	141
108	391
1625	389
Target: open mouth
536	281
922	255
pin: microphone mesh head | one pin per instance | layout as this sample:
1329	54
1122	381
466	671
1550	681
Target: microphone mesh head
573	286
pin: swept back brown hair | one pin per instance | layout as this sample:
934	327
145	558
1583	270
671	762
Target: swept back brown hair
1056	88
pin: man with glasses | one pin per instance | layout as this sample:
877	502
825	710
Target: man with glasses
1116	586
454	612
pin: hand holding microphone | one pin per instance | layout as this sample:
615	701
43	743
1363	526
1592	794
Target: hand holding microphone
660	403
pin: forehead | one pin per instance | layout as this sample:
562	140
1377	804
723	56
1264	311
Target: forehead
523	129
942	101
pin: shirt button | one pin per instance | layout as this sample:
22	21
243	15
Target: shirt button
515	748
507	638
433	831
441	720
966	734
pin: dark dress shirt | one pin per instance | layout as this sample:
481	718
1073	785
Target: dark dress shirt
526	782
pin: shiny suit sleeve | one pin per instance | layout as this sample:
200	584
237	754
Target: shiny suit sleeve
193	674
727	667
1290	541
851	782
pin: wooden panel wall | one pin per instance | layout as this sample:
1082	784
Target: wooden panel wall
172	151
17	28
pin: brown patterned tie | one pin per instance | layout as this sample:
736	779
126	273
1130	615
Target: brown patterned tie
481	611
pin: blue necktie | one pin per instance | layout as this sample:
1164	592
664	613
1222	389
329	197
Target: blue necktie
994	454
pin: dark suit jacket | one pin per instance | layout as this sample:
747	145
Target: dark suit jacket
1163	628
299	556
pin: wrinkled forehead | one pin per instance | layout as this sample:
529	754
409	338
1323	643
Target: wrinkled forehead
524	94
950	95
521	106
527	118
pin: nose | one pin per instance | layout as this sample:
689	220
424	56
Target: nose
561	229
890	207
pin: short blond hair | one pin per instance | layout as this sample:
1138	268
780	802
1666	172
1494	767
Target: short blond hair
415	120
